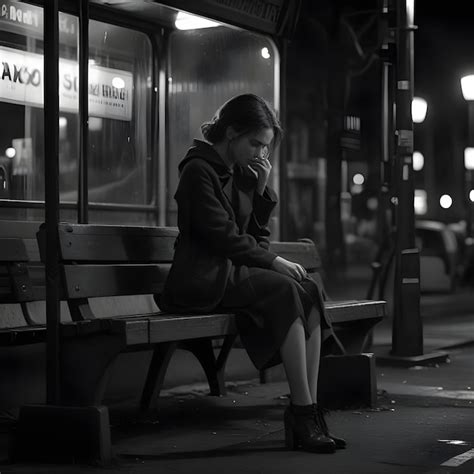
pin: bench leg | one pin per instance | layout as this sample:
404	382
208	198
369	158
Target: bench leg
227	345
84	367
214	369
156	374
354	337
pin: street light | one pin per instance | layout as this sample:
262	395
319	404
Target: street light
469	166
418	161
419	107
467	87
469	158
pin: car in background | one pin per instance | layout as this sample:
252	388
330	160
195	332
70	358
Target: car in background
439	256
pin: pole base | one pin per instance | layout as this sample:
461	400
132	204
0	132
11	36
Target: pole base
387	358
62	434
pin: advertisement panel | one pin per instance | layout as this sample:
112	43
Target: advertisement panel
22	82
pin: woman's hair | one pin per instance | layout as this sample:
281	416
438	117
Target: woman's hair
244	113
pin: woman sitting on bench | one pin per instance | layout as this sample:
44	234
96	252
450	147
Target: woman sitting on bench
222	260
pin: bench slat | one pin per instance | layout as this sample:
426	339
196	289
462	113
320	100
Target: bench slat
12	250
354	310
88	281
163	327
136	331
22	335
90	243
181	327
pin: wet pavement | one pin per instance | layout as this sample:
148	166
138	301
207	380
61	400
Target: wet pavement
423	421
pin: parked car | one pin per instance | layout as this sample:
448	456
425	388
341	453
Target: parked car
438	256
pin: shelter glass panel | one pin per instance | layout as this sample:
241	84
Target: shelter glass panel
208	67
120	102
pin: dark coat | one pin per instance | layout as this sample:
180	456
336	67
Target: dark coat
212	236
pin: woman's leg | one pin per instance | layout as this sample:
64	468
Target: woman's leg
313	355
301	425
293	355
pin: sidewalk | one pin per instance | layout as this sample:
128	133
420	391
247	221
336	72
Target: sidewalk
424	418
423	421
243	432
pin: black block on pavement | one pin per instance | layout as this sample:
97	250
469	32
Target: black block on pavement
347	381
46	433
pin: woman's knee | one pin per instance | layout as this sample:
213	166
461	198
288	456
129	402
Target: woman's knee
273	282
314	318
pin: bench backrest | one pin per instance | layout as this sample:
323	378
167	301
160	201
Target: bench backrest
19	247
102	260
106	260
15	285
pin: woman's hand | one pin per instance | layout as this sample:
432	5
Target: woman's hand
291	269
261	167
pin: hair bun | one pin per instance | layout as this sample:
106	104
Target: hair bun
206	130
211	130
244	113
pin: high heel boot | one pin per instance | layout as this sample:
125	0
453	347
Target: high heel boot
321	422
302	431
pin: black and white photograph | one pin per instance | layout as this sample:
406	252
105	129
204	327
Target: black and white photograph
236	237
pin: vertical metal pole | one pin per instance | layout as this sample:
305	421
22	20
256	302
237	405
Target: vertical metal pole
467	171
162	191
51	178
407	335
83	198
283	155
383	229
470	122
468	186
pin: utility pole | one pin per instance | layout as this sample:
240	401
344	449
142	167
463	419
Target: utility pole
407	330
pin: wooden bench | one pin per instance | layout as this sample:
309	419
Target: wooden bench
17	327
118	261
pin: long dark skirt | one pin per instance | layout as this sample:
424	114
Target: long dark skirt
266	304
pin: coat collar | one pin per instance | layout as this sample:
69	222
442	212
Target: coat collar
243	181
205	151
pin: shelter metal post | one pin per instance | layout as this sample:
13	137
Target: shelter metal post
83	198
54	432
51	178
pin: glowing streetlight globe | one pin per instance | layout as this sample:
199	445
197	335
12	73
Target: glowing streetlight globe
469	158
467	86
445	201
10	152
420	202
419	107
418	161
358	178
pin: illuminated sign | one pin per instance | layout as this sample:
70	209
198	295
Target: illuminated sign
19	14
21	82
27	19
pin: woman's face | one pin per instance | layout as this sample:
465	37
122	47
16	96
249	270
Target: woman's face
253	144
